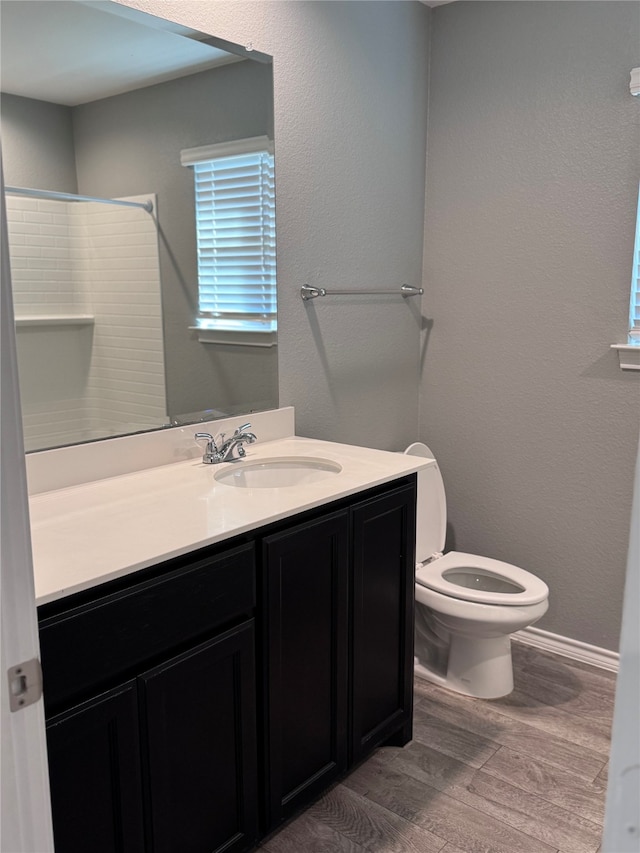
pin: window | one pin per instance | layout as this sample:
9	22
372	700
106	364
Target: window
629	353
235	232
634	312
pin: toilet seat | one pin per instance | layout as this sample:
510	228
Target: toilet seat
463	576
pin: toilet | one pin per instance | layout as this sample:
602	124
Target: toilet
466	606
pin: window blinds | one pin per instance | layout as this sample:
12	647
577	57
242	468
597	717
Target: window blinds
634	313
235	229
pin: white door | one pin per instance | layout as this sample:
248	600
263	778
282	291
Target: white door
25	811
622	819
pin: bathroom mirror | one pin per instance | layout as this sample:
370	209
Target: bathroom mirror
99	100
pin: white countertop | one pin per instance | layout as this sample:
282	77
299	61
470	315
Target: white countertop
89	533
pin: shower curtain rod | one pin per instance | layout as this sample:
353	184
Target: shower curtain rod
55	196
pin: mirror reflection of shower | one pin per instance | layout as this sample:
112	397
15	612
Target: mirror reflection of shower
86	284
105	110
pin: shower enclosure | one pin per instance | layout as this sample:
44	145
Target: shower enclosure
86	285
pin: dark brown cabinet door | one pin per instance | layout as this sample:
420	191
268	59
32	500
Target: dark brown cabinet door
199	747
305	590
94	770
382	620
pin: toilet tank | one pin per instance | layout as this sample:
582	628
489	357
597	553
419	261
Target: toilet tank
431	512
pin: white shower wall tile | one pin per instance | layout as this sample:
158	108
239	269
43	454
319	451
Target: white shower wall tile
86	258
127	385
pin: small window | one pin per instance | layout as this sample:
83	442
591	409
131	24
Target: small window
236	241
634	312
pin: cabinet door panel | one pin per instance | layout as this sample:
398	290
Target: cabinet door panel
199	747
129	629
94	772
382	622
306	585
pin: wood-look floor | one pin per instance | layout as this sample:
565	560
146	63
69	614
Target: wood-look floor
522	774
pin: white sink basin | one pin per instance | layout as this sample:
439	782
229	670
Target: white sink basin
277	473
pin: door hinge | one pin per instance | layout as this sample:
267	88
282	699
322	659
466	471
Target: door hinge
25	684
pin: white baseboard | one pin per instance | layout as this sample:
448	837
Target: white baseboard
569	648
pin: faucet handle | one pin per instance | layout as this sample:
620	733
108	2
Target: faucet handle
211	450
242	428
205	436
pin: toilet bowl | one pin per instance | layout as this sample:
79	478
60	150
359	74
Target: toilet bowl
467	606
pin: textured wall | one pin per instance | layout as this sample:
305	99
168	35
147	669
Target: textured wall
350	91
532	178
37	144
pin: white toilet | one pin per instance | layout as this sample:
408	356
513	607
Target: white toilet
466	606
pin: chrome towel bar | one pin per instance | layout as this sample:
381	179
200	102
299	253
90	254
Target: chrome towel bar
308	292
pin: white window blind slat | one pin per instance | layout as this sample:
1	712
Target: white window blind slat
635	287
634	311
235	233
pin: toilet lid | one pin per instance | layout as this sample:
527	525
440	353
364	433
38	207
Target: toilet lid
431	508
481	579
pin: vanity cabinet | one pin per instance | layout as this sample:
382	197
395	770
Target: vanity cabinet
195	706
166	760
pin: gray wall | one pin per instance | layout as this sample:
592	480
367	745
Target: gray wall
37	144
531	187
130	144
350	97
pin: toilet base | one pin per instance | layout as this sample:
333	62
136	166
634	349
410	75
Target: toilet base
479	667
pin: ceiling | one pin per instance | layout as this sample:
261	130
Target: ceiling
98	48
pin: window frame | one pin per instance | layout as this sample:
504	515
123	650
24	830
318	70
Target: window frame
629	353
634	302
238	326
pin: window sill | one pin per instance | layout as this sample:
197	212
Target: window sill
235	337
628	355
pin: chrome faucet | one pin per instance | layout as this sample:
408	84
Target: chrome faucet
214	454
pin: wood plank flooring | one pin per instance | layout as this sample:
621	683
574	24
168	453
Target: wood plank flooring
522	774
